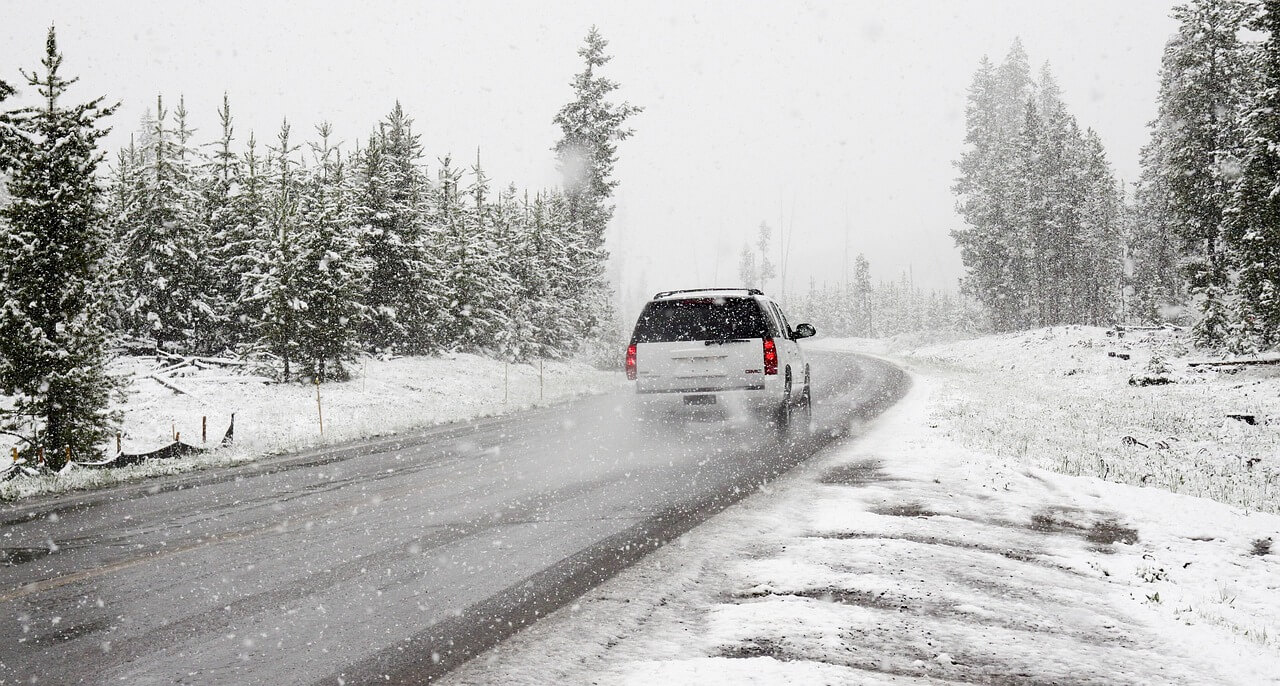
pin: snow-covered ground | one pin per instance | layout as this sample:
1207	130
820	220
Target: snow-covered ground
385	397
936	550
1057	398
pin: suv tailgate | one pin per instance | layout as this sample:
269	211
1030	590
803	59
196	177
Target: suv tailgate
702	345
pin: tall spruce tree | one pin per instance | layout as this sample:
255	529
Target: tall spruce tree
1203	87
165	241
239	251
1100	267
590	127
992	242
1254	215
229	235
391	207
277	261
330	276
53	245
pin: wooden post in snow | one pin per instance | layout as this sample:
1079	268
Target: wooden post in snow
204	429
319	408
540	385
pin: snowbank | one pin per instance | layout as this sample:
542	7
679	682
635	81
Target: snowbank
385	397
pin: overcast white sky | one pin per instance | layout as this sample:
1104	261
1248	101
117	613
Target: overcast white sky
842	117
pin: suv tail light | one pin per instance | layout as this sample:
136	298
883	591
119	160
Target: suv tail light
770	357
631	362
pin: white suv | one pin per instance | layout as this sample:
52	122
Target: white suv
730	348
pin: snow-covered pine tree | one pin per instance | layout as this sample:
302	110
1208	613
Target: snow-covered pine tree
277	261
230	235
1253	221
460	282
121	186
239	250
590	127
481	281
1100	267
1027	210
391	206
330	276
1204	76
991	244
165	243
1055	239
508	220
53	244
748	270
863	324
564	317
767	270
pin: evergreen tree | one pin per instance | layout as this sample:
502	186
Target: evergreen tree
121	195
330	272
53	245
481	282
863	323
1100	267
230	236
1254	219
277	262
1202	91
767	270
991	245
586	153
165	238
391	207
748	270
239	250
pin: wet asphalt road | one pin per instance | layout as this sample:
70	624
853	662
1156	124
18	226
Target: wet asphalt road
391	560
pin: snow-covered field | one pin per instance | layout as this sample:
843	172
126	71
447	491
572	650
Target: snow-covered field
1056	398
385	397
944	547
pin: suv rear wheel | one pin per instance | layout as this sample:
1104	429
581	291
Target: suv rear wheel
806	407
782	414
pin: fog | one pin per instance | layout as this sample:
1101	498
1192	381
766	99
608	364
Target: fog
837	121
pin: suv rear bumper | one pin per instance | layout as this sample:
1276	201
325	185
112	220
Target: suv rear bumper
697	400
686	391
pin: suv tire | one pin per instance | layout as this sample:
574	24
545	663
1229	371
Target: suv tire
782	414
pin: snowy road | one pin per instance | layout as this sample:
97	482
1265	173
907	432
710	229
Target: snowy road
323	568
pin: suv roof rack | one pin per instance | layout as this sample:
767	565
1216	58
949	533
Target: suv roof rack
749	291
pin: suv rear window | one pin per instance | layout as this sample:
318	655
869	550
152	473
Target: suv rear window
700	319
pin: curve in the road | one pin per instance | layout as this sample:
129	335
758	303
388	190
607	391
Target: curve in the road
395	559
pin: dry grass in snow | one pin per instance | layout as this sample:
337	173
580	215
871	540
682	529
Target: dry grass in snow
1056	398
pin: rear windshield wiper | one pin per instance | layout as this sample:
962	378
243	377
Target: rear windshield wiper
722	341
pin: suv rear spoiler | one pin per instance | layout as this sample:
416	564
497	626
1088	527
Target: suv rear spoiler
749	291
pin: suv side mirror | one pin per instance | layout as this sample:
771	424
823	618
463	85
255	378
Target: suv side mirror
804	331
